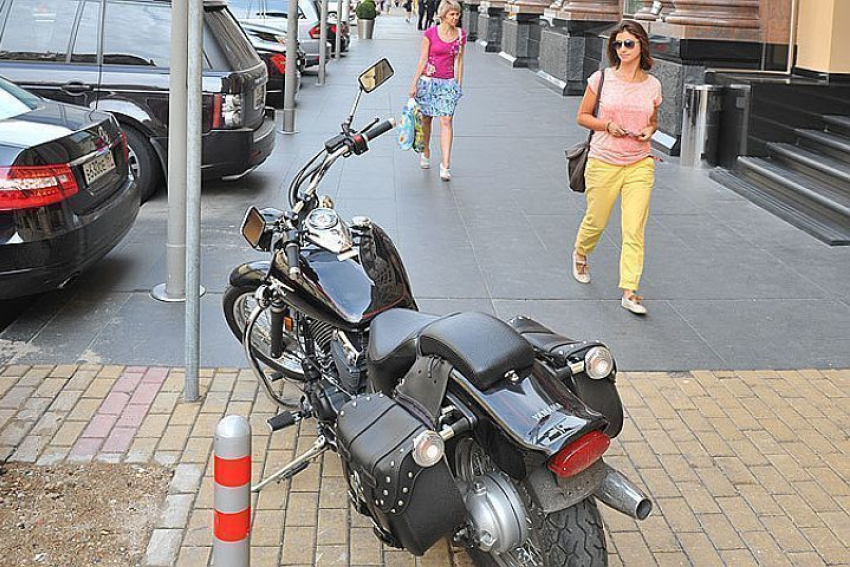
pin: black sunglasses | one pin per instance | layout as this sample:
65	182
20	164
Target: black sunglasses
628	44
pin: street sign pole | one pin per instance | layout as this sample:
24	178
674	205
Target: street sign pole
338	34
290	71
323	41
193	196
174	288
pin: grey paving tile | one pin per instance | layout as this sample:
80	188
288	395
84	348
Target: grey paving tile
772	334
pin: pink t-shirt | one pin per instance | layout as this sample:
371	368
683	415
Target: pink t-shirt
441	54
630	105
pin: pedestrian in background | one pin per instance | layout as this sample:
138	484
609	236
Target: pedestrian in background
408	10
423	14
437	82
432	7
619	163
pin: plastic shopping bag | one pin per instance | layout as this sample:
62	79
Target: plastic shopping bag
407	126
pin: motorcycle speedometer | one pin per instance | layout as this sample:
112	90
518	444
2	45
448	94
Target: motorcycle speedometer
322	219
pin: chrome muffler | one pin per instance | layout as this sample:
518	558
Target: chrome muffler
621	494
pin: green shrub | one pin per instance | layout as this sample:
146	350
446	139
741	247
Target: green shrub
366	10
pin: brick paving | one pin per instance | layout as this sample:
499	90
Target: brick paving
746	468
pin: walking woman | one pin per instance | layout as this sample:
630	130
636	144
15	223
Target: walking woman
620	164
437	82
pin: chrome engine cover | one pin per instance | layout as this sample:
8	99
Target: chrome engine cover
498	517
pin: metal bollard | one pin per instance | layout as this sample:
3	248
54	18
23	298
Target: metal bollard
232	495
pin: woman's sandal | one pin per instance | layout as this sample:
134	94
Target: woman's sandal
581	271
633	304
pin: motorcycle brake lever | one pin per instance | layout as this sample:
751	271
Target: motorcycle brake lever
372	123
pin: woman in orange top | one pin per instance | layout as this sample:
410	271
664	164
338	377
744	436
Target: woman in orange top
619	163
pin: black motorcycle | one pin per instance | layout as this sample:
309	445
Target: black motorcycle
459	426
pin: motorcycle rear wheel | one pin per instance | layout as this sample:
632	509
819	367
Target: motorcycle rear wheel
238	303
573	537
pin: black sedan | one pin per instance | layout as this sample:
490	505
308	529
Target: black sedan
270	44
66	194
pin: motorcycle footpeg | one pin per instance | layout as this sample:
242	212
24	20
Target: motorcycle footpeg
276	375
283	420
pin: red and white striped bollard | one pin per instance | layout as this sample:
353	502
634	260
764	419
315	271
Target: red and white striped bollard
232	495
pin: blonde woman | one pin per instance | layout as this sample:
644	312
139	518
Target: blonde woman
620	164
437	82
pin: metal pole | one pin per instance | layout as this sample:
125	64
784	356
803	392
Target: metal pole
232	492
338	34
174	288
193	197
323	41
290	71
343	13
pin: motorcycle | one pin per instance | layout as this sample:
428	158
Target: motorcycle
460	426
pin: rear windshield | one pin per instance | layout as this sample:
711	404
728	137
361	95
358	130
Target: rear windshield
230	42
15	101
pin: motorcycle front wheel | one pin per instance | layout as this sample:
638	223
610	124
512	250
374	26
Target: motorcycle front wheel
238	303
573	537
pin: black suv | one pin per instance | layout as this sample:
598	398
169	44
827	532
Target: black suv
113	55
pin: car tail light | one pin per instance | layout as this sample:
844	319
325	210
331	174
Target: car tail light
29	187
279	61
580	454
315	32
227	111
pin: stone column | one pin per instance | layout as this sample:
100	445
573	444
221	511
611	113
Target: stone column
521	32
738	14
490	16
470	19
570	46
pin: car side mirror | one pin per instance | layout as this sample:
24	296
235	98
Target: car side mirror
375	76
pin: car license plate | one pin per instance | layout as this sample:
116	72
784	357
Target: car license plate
98	167
259	97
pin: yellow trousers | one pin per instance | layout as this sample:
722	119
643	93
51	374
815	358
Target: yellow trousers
604	183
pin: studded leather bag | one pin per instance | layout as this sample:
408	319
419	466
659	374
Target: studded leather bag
577	155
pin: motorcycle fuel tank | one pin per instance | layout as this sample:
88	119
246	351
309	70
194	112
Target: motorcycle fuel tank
348	290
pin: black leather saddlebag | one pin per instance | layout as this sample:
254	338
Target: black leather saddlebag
600	395
415	506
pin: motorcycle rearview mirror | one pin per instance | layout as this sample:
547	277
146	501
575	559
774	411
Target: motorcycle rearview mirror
376	75
253	226
369	80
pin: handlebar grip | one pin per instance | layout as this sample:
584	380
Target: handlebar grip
276	330
293	257
378	129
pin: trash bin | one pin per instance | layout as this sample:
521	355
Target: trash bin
701	125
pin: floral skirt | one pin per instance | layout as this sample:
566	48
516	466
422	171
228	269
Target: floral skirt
437	97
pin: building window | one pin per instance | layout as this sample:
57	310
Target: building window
632	7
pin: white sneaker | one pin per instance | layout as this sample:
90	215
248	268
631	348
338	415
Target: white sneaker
424	162
633	304
582	276
445	173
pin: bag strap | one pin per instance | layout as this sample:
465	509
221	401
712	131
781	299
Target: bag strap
598	99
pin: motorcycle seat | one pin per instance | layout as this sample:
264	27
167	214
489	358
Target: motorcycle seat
392	345
482	348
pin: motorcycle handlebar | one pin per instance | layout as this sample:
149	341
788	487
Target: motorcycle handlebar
293	256
379	129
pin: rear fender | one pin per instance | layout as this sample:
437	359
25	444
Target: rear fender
252	274
522	424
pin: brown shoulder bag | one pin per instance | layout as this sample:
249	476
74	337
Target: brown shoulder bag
577	155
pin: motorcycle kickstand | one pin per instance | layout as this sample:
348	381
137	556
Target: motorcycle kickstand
296	465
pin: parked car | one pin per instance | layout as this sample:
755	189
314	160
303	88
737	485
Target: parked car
67	196
273	13
271	47
114	55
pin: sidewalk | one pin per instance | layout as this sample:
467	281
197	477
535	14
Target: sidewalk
728	285
746	468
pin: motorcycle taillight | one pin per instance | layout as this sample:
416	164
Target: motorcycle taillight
580	454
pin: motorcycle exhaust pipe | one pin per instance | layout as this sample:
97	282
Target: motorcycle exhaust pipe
621	494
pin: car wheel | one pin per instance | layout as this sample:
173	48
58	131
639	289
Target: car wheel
143	162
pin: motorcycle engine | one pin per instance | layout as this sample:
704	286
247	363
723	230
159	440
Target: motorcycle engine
496	512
